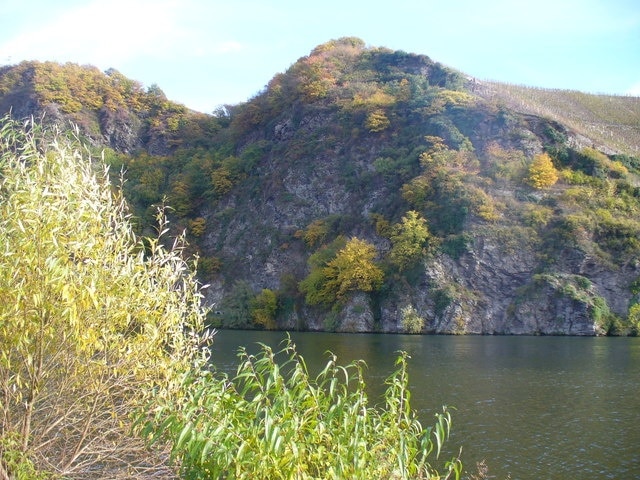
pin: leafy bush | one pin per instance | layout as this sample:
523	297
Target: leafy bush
630	162
274	421
536	215
236	306
509	164
578	177
482	204
197	226
442	298
633	319
599	165
377	121
411	321
263	309
315	233
456	245
92	319
441	193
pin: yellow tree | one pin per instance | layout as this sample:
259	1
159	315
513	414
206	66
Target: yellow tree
409	240
542	173
91	319
315	233
222	181
352	269
377	121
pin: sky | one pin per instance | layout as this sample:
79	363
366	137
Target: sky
208	53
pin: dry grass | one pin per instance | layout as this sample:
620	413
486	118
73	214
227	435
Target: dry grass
611	122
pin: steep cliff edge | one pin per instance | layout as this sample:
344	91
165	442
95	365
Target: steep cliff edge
407	157
511	258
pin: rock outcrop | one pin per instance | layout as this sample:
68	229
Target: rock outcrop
344	144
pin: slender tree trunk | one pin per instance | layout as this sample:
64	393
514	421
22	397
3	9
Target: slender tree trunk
4	475
34	386
80	444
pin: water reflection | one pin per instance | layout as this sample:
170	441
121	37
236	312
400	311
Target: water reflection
533	407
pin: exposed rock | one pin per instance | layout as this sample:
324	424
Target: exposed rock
357	315
120	130
303	151
554	309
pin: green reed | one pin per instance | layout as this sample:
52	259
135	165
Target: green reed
273	420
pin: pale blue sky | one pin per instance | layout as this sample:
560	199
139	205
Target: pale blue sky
205	53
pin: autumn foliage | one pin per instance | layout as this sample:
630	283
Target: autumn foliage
542	173
92	319
333	277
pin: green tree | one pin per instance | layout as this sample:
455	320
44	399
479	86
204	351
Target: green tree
634	319
150	184
91	320
411	321
542	173
236	307
410	240
417	191
313	284
263	309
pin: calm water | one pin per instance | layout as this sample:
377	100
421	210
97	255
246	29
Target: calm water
531	407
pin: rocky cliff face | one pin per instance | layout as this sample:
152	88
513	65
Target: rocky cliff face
490	289
344	145
493	286
512	259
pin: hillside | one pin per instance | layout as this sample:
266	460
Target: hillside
366	189
109	109
613	122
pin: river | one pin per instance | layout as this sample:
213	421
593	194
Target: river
530	407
